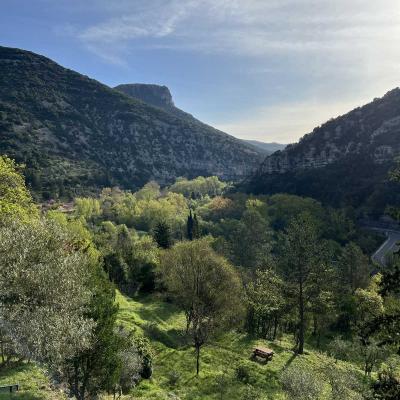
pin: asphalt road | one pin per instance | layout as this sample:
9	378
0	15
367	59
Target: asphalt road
388	247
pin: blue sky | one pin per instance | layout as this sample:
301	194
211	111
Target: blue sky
262	69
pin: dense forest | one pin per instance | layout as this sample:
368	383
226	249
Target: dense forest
163	293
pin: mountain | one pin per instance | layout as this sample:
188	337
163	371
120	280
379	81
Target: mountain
268	148
160	96
342	162
156	96
75	134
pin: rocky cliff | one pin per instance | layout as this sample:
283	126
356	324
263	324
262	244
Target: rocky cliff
344	160
73	133
156	95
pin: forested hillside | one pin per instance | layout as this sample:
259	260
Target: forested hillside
344	162
76	135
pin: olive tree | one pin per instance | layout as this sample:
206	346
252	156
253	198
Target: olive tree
43	292
205	285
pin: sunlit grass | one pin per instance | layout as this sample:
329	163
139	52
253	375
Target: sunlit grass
174	355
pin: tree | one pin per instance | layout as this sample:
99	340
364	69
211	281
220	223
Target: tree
131	361
43	291
98	367
15	199
205	285
265	302
87	207
250	240
192	227
354	269
162	235
302	261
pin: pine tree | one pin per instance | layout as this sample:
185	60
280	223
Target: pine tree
190	225
162	235
196	228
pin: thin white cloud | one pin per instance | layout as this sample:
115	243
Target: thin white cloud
347	49
251	27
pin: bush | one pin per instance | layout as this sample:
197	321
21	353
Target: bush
144	350
341	349
221	384
242	373
250	393
173	377
301	384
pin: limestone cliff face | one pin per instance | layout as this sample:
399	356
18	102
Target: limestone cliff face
372	130
156	95
73	132
342	162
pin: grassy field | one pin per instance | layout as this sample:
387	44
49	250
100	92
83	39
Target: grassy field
34	384
174	362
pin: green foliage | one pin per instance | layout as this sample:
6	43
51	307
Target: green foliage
354	269
199	187
242	372
301	384
192	226
265	303
205	285
162	235
44	291
87	208
15	199
387	385
173	378
304	266
97	368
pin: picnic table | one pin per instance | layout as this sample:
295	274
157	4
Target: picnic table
9	388
263	352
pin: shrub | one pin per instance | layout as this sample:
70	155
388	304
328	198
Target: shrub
144	350
250	393
173	377
242	373
340	349
301	384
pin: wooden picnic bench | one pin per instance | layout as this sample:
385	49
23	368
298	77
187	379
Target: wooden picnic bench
9	388
263	352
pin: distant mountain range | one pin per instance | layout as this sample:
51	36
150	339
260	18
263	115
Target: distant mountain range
344	162
268	148
75	134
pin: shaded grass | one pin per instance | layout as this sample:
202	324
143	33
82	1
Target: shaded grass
32	380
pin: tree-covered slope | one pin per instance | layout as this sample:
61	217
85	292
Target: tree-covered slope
76	134
342	162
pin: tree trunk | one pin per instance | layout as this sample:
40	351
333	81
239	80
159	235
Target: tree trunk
188	316
275	327
197	359
2	352
301	320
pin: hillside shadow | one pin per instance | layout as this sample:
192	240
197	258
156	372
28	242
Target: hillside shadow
290	360
172	338
159	312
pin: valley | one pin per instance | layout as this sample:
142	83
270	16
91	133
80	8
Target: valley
145	254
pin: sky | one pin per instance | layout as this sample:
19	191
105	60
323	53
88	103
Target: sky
268	70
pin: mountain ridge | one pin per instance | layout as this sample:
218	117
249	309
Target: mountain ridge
345	160
73	132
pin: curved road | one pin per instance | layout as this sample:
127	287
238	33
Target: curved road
388	247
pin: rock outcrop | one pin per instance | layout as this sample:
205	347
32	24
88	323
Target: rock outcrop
75	134
346	158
